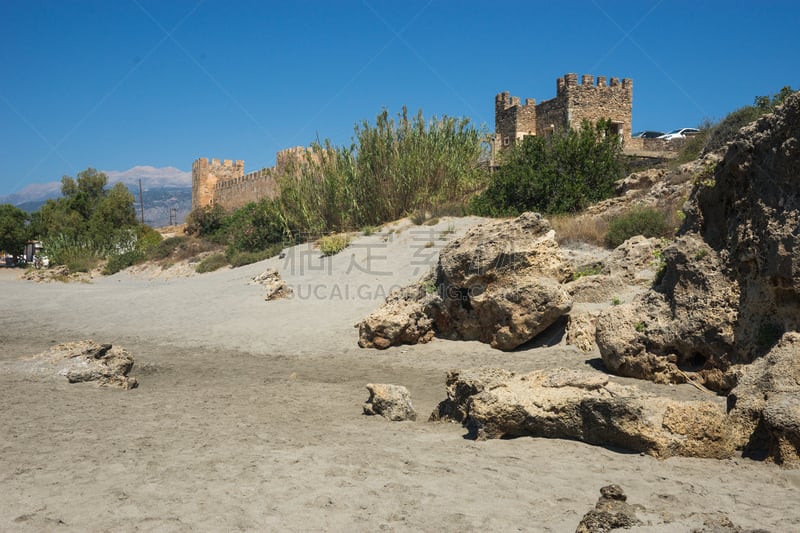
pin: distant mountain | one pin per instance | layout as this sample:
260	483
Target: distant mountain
163	189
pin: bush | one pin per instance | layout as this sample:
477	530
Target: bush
205	221
393	168
333	244
645	221
122	261
211	263
237	259
167	247
564	173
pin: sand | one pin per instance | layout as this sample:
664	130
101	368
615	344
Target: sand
248	416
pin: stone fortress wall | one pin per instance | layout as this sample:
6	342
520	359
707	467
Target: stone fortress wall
224	183
574	103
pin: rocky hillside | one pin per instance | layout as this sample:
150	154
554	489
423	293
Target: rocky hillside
700	309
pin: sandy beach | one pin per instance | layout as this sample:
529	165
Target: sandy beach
248	415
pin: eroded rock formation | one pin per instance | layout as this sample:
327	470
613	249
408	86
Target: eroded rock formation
86	361
730	283
500	284
389	401
585	406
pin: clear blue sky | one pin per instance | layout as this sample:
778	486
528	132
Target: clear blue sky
117	83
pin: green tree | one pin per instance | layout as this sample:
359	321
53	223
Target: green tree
14	229
564	173
112	212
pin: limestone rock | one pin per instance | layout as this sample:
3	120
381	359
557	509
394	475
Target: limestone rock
765	404
730	283
405	318
500	282
581	331
612	511
584	406
636	260
86	361
390	401
274	285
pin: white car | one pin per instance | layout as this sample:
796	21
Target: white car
680	133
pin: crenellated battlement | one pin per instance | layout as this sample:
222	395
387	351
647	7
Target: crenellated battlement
223	181
570	82
590	99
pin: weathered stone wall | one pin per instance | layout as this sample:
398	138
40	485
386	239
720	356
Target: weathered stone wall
238	192
593	102
225	183
512	119
573	104
206	174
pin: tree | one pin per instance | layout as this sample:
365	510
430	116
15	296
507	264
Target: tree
113	211
564	173
14	229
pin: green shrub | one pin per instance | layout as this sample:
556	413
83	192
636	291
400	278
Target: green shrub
237	259
122	261
564	173
211	263
205	221
645	221
167	247
333	244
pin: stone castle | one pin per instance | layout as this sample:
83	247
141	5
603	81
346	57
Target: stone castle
574	103
224	182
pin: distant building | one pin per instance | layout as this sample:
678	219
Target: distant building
223	182
574	103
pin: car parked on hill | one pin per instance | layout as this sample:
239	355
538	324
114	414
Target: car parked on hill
680	133
647	134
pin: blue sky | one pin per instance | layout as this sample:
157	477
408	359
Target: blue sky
117	83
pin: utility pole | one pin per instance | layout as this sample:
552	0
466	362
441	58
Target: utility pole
141	202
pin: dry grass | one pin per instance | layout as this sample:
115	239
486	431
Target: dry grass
580	227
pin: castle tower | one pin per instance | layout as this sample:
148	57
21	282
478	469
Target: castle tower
205	176
606	99
574	103
513	120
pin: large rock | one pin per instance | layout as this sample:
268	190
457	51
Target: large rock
585	406
84	361
275	287
765	404
730	283
405	318
392	402
500	284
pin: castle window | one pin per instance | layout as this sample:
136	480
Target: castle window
506	141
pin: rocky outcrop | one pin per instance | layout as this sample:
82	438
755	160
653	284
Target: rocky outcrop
392	402
275	286
612	511
405	318
84	361
765	404
585	406
500	284
730	283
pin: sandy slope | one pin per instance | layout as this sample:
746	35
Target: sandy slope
248	417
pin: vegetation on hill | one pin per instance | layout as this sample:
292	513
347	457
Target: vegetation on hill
714	135
566	172
394	168
90	223
14	229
